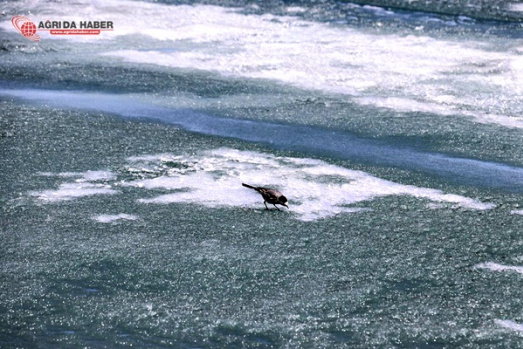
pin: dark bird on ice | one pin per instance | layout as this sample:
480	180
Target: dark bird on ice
271	196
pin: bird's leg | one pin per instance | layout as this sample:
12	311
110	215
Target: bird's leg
265	203
276	207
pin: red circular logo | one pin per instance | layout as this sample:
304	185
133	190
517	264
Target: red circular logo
25	27
28	29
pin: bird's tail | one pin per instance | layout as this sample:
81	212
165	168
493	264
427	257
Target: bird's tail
249	186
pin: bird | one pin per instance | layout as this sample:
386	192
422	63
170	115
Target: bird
271	196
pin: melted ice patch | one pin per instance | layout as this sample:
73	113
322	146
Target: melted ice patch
107	218
315	189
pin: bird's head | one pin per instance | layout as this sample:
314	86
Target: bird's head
283	201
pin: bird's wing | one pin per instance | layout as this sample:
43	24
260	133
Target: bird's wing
271	193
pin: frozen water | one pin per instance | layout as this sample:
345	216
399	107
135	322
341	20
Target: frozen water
85	184
500	267
516	7
108	218
474	78
70	191
340	144
396	138
88	176
315	189
511	325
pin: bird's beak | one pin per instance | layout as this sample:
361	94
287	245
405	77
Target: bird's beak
286	206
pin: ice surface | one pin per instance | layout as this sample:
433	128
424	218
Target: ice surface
442	105
339	144
107	218
511	325
86	184
213	178
69	191
91	176
473	78
321	57
516	7
315	189
500	267
373	283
